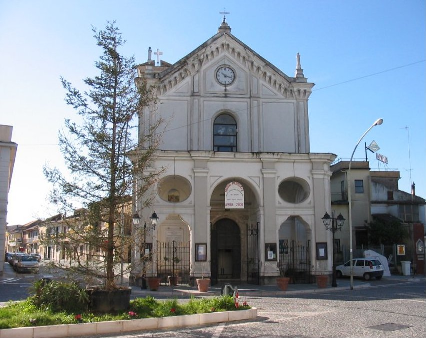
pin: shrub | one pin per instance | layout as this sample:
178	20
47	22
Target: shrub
59	296
144	307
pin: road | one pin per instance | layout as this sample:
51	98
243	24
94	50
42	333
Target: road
380	310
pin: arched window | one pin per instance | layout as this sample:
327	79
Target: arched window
225	133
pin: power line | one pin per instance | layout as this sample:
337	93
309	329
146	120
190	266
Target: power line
369	75
333	85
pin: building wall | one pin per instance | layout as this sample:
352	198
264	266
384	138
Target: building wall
7	161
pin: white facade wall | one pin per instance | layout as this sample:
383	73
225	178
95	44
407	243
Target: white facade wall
7	161
272	158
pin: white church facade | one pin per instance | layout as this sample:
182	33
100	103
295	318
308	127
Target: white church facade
242	196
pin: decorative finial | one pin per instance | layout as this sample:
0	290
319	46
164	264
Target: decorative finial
299	71
224	27
298	66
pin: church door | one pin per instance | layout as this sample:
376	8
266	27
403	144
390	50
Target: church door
226	251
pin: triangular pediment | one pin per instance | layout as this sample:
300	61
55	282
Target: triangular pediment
226	46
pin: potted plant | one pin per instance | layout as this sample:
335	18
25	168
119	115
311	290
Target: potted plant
322	280
283	280
203	283
153	282
173	279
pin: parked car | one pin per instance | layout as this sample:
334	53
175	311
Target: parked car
8	256
27	263
14	259
38	256
362	267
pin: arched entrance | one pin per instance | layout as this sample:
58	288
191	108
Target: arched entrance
225	251
294	250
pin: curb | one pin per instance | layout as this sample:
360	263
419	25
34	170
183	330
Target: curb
123	326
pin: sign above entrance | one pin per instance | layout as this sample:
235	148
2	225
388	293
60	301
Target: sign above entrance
234	196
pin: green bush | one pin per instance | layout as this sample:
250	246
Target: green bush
59	296
144	307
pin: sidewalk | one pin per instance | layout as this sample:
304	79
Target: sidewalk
246	290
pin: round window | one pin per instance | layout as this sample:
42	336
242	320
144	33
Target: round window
294	190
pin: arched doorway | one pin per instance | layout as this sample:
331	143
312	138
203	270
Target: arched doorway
225	251
294	250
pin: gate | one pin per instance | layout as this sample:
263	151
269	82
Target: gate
294	262
173	261
253	266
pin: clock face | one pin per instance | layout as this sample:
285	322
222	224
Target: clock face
225	75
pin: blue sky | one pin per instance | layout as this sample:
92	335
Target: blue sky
366	58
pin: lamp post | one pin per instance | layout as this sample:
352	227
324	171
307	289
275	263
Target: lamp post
333	224
378	122
136	220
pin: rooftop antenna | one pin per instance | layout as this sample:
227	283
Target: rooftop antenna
409	152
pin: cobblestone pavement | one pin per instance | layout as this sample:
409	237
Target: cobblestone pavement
396	308
392	307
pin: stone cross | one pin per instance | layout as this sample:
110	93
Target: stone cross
158	53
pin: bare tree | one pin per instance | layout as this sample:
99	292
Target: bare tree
96	153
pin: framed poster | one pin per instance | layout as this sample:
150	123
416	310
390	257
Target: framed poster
200	252
400	249
322	251
270	251
146	251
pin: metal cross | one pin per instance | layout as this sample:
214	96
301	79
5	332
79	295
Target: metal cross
224	14
158	53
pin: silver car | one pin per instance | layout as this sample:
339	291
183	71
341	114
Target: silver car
27	263
362	267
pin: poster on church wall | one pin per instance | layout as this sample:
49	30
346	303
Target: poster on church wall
234	196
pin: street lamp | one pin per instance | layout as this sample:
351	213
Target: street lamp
136	220
154	219
333	224
378	122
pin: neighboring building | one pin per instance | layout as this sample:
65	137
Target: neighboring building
376	195
361	203
67	239
30	237
242	191
7	161
14	238
388	201
23	238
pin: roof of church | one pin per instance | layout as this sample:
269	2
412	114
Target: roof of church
224	31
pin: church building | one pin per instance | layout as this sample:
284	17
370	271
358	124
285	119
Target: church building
242	198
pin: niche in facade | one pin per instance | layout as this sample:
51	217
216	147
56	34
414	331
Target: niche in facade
294	190
174	189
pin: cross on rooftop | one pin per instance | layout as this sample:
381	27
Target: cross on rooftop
158	53
224	14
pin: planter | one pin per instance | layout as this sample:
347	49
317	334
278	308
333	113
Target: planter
153	283
203	284
104	301
173	280
322	281
282	283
